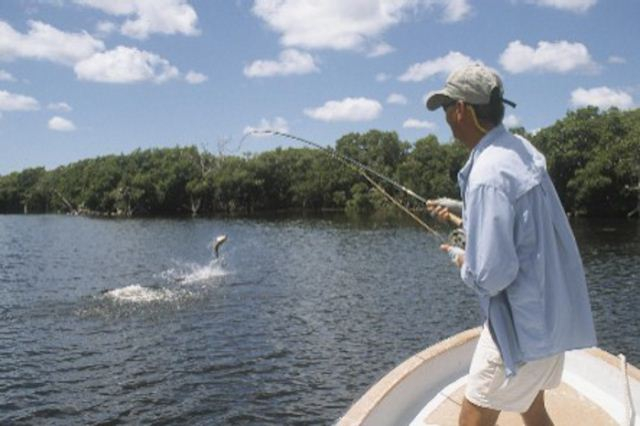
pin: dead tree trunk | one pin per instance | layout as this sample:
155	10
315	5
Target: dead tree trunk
66	202
195	205
635	211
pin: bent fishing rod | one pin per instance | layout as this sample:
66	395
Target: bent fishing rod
346	160
456	237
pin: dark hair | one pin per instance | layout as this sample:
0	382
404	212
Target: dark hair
492	112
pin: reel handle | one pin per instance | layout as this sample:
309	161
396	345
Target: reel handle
454	253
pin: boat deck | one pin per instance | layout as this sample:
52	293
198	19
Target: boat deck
564	404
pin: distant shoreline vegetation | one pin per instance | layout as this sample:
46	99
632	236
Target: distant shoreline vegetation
593	158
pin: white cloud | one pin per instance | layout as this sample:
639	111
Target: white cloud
59	106
61	124
381	77
278	124
413	123
289	62
613	59
150	16
577	6
14	102
344	25
193	77
125	65
380	49
455	10
397	99
104	28
444	65
511	121
6	76
348	109
601	97
45	42
557	57
86	54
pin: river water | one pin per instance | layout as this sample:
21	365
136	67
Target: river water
135	321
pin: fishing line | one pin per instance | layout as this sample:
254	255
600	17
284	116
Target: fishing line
365	170
377	186
346	160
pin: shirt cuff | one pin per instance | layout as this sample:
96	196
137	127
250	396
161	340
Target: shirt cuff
470	281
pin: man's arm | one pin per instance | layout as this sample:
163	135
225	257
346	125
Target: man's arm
490	260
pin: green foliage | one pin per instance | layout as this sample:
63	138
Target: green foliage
431	168
593	158
10	201
361	202
382	151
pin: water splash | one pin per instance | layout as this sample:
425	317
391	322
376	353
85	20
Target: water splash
189	273
137	293
164	288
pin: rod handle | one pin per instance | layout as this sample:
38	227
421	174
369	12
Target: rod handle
450	217
455	220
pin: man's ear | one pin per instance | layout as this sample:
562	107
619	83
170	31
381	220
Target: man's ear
460	110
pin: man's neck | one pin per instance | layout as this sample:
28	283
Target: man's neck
475	135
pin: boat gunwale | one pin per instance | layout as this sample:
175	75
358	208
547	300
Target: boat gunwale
363	407
372	398
609	358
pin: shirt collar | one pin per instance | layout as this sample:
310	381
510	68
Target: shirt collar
463	174
487	139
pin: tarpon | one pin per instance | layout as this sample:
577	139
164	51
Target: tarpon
219	241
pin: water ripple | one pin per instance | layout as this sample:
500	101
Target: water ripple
290	326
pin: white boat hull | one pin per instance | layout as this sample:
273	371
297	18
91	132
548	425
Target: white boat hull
428	388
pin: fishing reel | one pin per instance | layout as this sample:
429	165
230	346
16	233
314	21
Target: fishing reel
457	238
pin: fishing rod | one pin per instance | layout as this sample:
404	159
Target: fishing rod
456	238
347	160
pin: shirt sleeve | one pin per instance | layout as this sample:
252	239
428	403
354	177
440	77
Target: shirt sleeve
491	262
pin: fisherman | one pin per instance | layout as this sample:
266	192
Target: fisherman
521	258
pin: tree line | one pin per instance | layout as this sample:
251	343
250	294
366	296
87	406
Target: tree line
593	157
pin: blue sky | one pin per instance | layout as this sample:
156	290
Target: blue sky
83	78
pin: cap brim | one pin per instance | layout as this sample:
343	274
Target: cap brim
436	100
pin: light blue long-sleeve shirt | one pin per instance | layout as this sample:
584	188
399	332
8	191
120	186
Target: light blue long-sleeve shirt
521	257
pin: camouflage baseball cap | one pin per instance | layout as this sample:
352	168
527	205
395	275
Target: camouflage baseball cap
473	84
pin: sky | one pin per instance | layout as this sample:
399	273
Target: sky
86	78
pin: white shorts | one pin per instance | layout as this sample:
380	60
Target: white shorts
488	387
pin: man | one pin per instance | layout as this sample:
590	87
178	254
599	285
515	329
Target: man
520	258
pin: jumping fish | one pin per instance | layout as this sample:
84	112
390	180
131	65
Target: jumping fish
219	241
